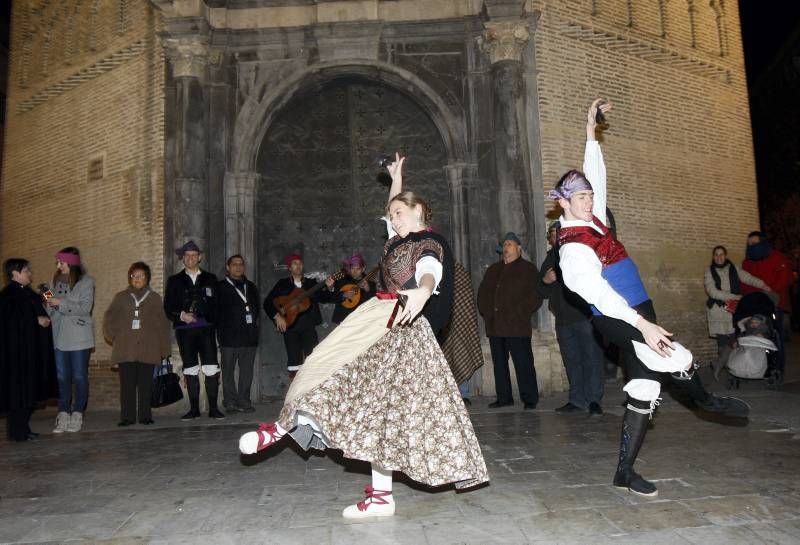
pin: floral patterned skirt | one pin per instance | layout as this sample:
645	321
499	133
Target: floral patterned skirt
394	404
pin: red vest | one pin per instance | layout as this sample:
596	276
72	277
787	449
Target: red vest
608	249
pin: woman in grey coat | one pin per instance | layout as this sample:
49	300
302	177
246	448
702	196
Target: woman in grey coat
70	310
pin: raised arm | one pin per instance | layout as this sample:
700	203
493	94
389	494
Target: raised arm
593	166
396	172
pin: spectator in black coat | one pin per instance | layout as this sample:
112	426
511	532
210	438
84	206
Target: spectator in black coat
26	350
189	302
237	330
580	349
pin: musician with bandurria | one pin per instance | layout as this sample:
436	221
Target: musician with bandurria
350	291
300	335
379	388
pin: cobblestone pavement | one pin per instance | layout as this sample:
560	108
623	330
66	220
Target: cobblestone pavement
177	482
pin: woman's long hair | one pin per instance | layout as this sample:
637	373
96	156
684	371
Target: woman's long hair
76	272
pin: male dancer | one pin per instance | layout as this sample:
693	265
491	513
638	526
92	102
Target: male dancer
596	266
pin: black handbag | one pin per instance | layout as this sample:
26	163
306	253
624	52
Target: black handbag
166	385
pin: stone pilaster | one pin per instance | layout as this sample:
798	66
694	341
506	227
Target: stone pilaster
188	60
240	218
504	42
458	176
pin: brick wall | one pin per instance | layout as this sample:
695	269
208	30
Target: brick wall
679	150
86	83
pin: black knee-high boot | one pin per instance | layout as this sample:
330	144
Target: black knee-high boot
193	389
212	393
727	405
634	428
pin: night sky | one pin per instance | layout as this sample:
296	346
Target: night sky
766	25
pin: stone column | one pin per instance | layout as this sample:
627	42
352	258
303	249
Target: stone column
240	218
504	43
188	142
457	179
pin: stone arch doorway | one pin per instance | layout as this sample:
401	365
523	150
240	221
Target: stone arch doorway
319	190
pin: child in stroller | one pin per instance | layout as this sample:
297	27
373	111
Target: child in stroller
757	340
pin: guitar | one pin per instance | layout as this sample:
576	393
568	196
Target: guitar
298	301
355	299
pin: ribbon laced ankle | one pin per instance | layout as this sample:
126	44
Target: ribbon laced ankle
373	496
267	428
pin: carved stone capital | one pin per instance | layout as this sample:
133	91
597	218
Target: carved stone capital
188	57
504	41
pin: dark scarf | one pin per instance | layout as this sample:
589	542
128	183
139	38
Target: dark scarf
757	252
733	276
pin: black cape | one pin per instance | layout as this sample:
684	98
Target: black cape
27	367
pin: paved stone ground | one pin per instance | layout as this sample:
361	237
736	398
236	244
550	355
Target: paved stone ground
177	483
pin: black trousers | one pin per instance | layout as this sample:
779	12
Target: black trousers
522	354
622	334
299	345
135	385
17	424
245	356
197	345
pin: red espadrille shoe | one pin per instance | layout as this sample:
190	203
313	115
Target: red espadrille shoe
378	503
256	441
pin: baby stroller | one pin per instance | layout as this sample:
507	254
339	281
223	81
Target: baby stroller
757	342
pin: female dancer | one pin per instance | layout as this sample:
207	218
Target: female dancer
378	387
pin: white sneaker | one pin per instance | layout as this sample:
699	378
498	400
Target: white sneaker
75	422
62	422
378	503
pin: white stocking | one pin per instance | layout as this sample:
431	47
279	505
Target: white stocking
382	479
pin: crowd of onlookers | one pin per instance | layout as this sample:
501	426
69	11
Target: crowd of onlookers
53	329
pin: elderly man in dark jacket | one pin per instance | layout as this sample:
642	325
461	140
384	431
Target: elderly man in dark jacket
507	297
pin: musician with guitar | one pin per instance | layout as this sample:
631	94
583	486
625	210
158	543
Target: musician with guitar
350	291
292	306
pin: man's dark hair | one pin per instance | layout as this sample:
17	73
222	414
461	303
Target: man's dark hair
14	264
234	256
758	234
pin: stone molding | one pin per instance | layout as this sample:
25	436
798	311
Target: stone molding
188	57
505	40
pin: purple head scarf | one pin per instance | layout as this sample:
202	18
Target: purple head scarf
355	260
569	184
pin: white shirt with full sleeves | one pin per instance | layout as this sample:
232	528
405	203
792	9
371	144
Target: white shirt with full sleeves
580	266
